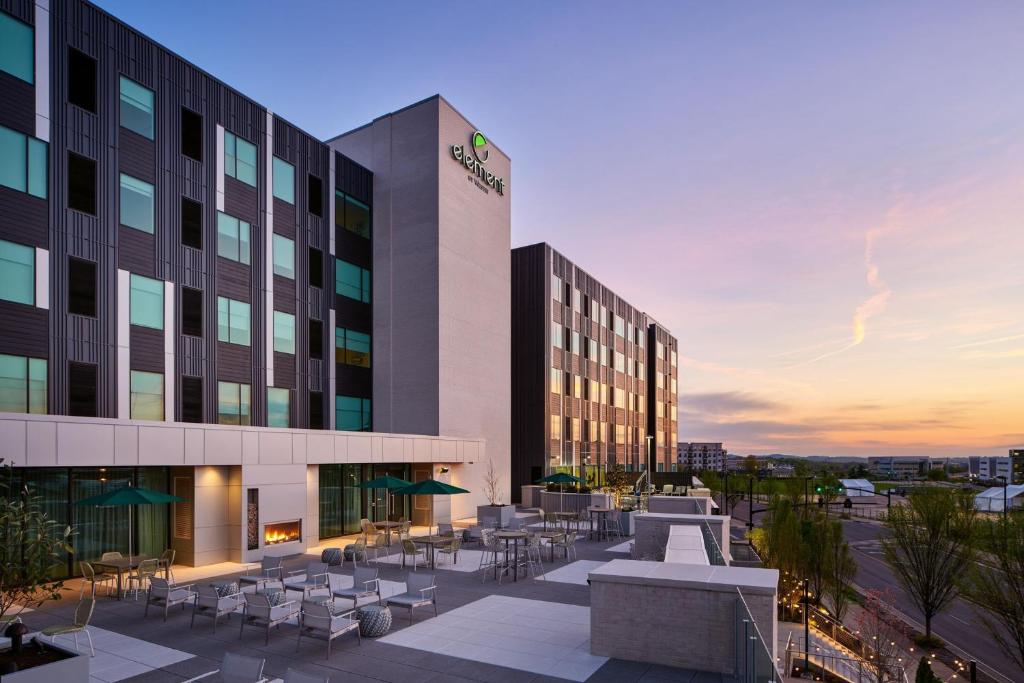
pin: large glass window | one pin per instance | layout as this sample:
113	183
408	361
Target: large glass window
233	402
23	162
17	273
147	395
351	347
556	335
277	407
233	324
146	302
232	238
239	159
17	48
284	180
284	257
284	332
352	414
136	204
22	385
136	107
351	214
352	281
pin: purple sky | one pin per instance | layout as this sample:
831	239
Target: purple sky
823	202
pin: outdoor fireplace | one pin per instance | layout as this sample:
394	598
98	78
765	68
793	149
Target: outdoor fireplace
282	532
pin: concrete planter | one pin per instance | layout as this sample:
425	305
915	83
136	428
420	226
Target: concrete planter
531	495
626	519
553	501
74	669
489	514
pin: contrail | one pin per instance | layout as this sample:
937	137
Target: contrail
986	342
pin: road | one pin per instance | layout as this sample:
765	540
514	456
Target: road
958	625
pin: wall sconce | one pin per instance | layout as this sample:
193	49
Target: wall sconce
443	470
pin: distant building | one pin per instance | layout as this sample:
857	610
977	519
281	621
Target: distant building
701	456
898	467
781	470
1010	466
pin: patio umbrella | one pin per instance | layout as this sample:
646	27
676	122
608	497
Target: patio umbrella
386	482
430	487
560	478
130	496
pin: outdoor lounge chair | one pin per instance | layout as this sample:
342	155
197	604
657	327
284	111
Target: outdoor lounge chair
260	613
667	490
80	624
162	594
365	584
317	621
420	591
209	603
314	576
296	676
271	569
237	669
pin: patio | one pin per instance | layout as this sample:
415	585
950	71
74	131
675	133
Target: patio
528	630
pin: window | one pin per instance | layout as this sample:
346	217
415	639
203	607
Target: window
556	381
316	339
556	288
81	184
233	402
147	395
191	312
191	399
556	428
284	257
316	268
146	303
315	195
351	347
239	159
191	134
284	181
277	407
232	238
17	48
82	287
232	321
81	80
352	281
191	223
316	410
136	108
23	163
82	390
351	215
136	204
284	332
22	385
17	273
352	414
556	335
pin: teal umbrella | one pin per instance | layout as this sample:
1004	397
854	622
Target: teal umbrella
386	482
129	496
430	487
560	478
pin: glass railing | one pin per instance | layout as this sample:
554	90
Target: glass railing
714	551
754	661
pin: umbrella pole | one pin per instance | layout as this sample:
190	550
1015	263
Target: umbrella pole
130	532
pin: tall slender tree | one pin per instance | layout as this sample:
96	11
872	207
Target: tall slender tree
928	547
842	569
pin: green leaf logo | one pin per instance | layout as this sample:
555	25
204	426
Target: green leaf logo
478	139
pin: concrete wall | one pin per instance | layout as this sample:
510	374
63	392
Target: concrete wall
684	505
652	531
677	614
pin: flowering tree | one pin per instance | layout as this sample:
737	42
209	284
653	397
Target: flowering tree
880	636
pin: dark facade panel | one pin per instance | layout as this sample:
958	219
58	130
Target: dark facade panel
19	104
240	200
234	280
146	349
25	330
352	179
136	252
530	282
234	363
25	218
136	156
284	218
352	380
284	370
284	294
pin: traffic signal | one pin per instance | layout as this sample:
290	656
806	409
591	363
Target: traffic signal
818	489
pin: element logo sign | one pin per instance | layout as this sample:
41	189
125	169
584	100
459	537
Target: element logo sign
474	159
480	150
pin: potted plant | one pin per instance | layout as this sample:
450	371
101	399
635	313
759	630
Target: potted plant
32	545
494	512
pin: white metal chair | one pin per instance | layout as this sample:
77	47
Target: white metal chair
568	544
80	624
138	580
420	591
162	594
534	564
93	578
317	620
209	603
106	557
166	562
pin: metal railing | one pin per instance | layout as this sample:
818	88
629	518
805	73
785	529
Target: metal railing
714	551
754	661
837	664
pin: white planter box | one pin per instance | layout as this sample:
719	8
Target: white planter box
74	669
502	514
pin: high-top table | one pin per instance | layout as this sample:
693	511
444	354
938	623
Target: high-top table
514	536
552	536
601	513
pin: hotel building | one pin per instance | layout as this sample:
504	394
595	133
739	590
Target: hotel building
197	296
592	376
702	456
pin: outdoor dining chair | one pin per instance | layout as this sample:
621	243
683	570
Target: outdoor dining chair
365	584
93	579
209	602
237	669
318	621
410	549
452	549
444	529
261	614
79	624
534	563
163	594
568	544
113	555
139	578
166	562
420	591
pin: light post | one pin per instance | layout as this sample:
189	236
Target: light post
1005	485
650	452
807	627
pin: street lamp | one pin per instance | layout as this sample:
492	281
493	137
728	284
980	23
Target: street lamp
650	452
1005	485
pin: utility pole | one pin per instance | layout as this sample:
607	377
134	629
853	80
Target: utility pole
725	499
750	503
807	626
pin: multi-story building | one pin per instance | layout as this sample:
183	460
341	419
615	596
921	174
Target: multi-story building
1009	466
198	296
898	467
701	456
583	372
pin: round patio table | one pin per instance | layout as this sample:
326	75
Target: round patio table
515	537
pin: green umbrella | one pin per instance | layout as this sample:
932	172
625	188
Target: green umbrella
560	478
386	482
130	496
430	487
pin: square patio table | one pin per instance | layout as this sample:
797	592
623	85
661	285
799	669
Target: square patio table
433	542
387	527
125	565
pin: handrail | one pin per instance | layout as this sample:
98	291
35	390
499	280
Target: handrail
715	555
749	656
850	668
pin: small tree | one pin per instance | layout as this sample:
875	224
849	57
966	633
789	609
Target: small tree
878	633
492	483
929	546
31	547
925	673
997	589
619	482
842	569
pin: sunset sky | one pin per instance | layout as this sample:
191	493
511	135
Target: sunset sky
824	202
